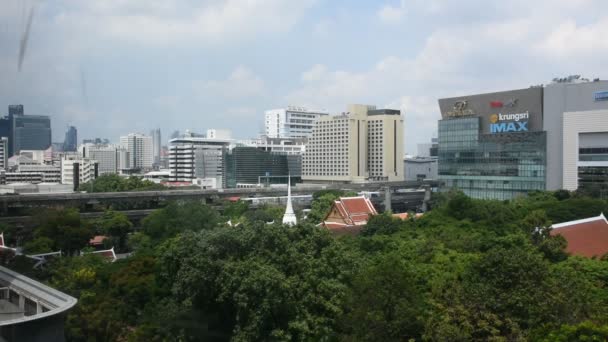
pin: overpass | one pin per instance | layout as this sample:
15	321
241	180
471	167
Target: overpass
152	199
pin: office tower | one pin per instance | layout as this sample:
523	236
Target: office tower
364	144
3	153
71	139
193	158
139	147
291	122
77	170
28	132
156	144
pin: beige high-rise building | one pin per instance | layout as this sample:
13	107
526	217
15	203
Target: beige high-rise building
364	144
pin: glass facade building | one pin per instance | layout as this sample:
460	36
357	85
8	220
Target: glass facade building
492	146
490	166
251	165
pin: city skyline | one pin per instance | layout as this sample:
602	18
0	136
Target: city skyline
87	66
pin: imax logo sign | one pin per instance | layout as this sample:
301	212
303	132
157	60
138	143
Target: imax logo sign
521	126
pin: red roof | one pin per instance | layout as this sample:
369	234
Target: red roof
348	214
587	237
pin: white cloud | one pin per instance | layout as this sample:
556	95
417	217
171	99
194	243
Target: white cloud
570	40
391	14
241	83
170	22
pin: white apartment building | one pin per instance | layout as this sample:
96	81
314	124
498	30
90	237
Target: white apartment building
77	170
112	159
140	149
193	158
291	122
362	145
3	153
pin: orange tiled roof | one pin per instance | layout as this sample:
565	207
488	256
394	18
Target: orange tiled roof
586	237
348	215
405	216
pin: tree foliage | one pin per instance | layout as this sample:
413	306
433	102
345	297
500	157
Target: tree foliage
469	270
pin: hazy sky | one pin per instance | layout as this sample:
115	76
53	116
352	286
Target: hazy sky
111	67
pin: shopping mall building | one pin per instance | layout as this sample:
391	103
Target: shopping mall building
505	144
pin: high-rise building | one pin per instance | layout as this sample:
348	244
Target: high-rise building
506	144
28	132
156	145
107	156
139	147
361	145
192	158
77	170
3	153
291	122
71	139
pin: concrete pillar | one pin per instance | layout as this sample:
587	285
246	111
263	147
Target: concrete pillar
21	302
427	199
387	199
38	307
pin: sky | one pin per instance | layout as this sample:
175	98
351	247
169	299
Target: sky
117	66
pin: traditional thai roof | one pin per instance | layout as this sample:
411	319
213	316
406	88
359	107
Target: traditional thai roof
107	254
349	215
587	237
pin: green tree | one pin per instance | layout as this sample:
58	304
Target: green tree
384	224
64	228
179	216
115	225
384	302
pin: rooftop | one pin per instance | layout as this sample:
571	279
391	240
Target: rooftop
587	237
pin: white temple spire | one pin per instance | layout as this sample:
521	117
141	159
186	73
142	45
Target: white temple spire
290	217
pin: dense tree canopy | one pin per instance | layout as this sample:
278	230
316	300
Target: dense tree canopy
116	183
469	270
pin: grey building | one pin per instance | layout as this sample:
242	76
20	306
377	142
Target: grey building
420	168
28	132
569	97
70	143
156	146
493	145
3	153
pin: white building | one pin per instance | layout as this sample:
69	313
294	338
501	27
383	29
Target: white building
193	158
48	173
140	149
77	170
3	153
112	159
277	145
291	122
363	144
